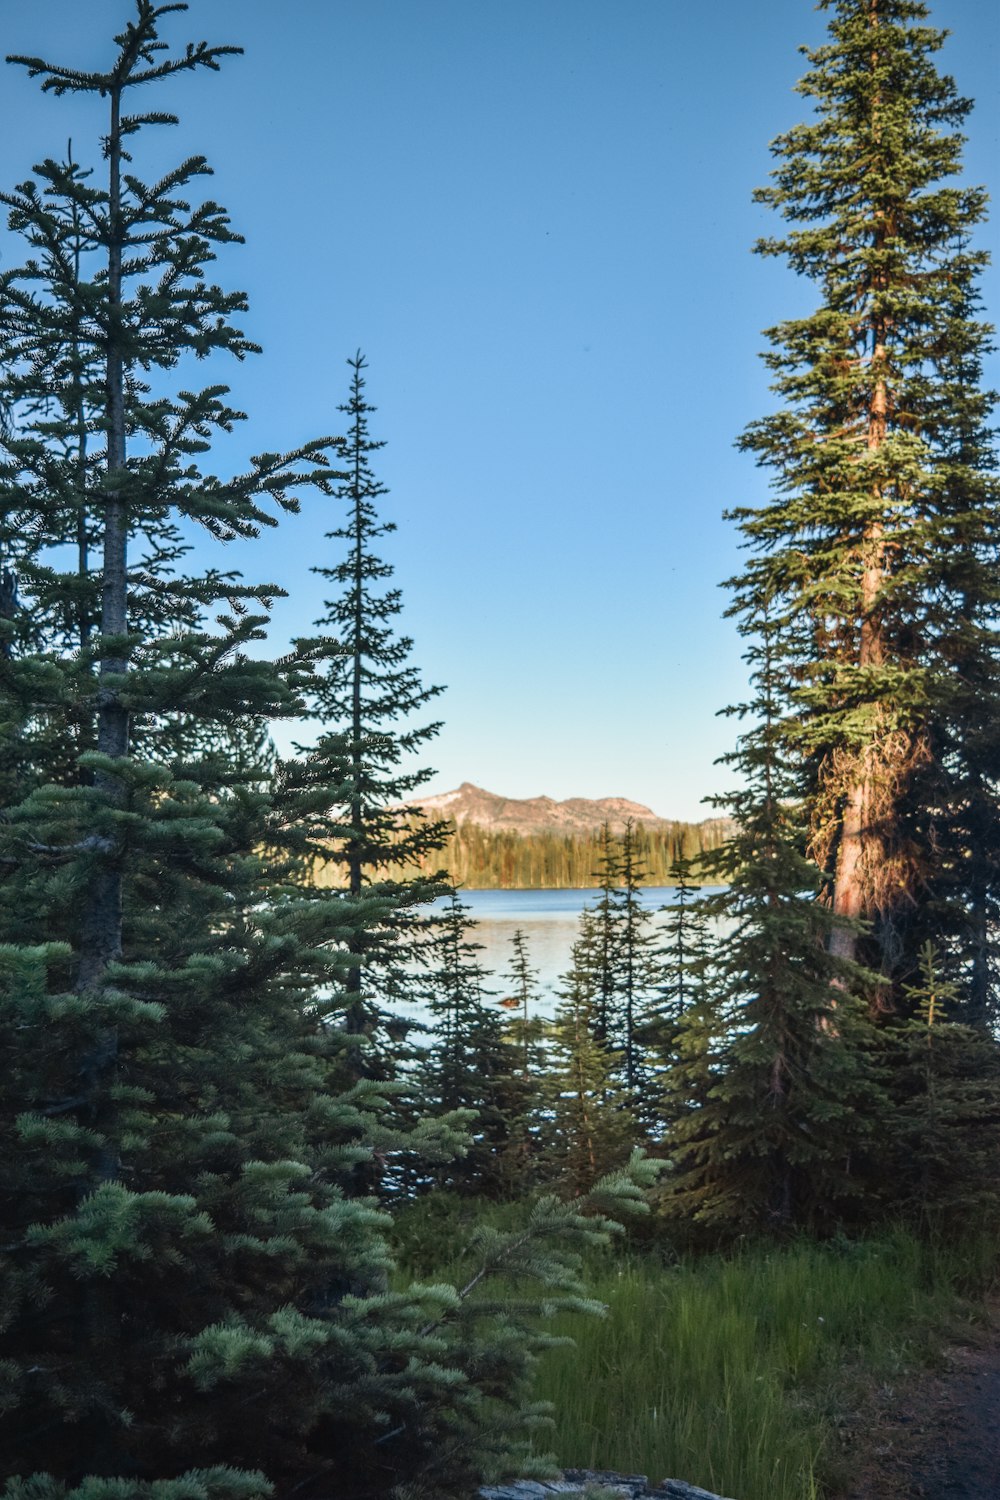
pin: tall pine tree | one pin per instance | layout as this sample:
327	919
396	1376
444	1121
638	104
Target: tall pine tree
365	696
879	544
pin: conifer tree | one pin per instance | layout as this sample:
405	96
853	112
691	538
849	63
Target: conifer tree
879	545
161	1077
525	1031
682	950
605	948
590	1126
525	1035
684	955
943	1080
365	698
788	1099
192	1303
468	1062
625	966
637	966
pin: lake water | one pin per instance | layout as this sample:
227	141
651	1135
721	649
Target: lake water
550	923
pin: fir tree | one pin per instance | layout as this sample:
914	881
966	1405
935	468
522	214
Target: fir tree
684	956
524	1032
879	545
589	1125
162	1079
527	1065
192	1302
636	964
625	967
605	925
366	699
943	1080
787	1097
467	1063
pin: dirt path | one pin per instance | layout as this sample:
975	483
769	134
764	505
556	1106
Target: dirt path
939	1437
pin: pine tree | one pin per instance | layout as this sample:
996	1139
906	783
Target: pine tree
605	928
684	955
187	1290
788	1100
943	1080
589	1127
879	545
637	966
192	1302
365	698
625	966
467	1064
525	1036
524	1032
161	1079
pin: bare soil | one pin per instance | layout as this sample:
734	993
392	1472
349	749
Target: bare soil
938	1436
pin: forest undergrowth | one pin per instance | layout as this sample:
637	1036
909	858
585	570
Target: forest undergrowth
748	1373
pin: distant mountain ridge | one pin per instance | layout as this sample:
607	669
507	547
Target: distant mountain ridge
576	816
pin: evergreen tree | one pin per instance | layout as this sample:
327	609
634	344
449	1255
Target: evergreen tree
524	1032
527	1066
365	698
637	967
589	1125
192	1303
161	1098
787	1099
605	933
943	1078
879	545
468	1063
625	967
684	956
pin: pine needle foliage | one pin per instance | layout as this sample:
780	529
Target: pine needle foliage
590	1124
943	1079
878	547
787	1098
468	1063
194	1302
366	694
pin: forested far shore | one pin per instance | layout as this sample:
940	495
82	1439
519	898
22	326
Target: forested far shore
501	859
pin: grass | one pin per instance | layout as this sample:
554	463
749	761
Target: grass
730	1373
737	1373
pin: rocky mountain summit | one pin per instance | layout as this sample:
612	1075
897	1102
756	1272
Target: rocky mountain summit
527	815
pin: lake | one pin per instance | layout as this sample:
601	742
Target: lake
550	923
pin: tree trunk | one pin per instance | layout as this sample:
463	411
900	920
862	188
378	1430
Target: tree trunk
101	928
859	835
356	1018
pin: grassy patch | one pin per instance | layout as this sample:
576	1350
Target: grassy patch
740	1373
731	1373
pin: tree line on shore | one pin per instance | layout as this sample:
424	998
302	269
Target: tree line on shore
215	1099
481	858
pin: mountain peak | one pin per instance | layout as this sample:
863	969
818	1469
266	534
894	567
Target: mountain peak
469	803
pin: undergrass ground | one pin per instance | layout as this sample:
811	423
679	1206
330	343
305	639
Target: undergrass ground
738	1374
743	1373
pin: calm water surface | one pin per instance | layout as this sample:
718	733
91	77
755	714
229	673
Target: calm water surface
550	922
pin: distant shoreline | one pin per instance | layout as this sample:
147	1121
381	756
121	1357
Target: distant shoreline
702	885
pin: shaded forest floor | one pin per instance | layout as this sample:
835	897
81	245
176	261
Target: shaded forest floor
936	1434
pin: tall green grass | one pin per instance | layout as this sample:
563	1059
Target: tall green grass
727	1372
731	1372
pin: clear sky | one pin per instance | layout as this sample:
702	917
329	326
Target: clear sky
535	218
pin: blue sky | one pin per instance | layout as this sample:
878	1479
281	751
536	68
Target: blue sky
535	218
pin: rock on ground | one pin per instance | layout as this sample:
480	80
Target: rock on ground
577	1482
